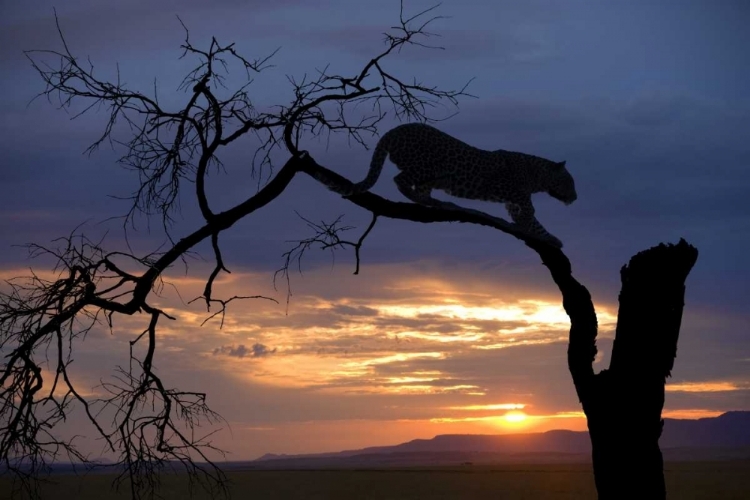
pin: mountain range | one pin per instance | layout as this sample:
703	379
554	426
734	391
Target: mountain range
725	437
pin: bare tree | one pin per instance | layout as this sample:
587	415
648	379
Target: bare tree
150	426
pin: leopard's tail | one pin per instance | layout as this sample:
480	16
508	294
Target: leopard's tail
376	166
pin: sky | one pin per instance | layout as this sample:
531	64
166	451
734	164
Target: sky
448	328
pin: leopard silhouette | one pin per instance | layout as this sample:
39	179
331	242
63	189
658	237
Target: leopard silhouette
431	159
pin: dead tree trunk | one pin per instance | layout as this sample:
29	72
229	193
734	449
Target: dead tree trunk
623	404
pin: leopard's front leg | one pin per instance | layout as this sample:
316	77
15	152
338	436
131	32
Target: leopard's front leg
522	213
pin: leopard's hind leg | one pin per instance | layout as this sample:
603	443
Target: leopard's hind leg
420	193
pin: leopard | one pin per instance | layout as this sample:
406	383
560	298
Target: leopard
429	159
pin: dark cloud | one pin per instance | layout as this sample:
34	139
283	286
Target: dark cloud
354	311
256	351
655	109
453	44
86	27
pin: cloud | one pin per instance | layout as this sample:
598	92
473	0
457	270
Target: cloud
691	413
498	406
654	108
346	310
93	26
256	351
511	45
395	336
706	387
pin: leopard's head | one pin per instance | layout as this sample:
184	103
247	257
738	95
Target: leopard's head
561	185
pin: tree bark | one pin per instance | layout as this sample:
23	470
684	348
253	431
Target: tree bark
623	404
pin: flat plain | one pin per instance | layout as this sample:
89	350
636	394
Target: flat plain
685	480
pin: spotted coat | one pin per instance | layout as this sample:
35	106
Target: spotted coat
430	159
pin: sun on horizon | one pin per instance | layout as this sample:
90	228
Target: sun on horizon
515	416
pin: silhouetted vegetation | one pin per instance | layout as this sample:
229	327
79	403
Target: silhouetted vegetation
151	427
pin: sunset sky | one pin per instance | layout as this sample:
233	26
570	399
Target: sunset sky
448	328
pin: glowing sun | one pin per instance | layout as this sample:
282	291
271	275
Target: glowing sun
515	417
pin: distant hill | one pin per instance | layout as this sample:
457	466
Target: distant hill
724	437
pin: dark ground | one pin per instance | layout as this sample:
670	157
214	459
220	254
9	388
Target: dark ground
728	480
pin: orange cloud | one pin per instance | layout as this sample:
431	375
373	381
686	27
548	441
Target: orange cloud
690	414
705	387
500	406
389	338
